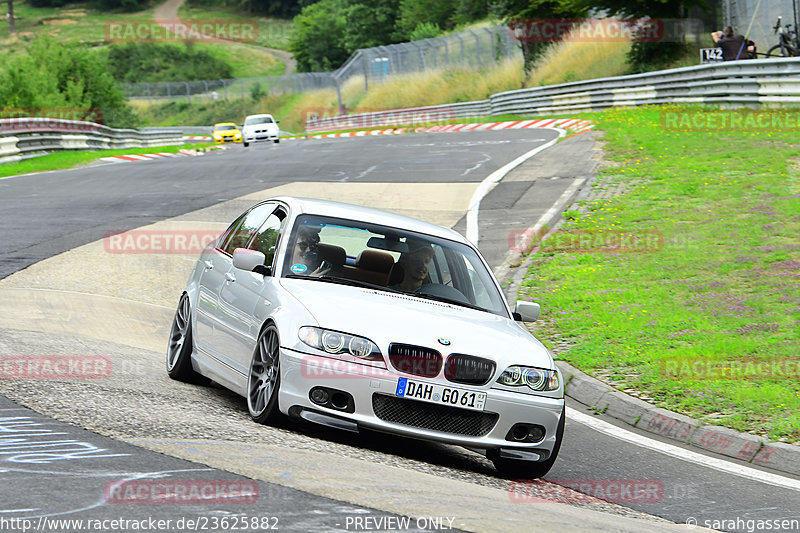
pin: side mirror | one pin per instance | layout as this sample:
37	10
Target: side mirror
527	311
251	261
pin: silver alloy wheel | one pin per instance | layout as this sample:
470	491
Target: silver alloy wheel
178	334
264	372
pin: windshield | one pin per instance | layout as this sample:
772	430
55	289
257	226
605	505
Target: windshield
258	120
355	253
224	128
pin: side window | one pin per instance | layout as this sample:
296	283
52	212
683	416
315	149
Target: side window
266	240
226	235
246	228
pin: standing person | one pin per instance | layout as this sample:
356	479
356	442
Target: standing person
734	46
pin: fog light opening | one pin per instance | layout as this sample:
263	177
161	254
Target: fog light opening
535	433
531	433
339	400
319	396
519	433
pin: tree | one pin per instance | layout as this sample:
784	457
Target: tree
54	76
317	39
370	23
413	13
524	11
11	25
649	55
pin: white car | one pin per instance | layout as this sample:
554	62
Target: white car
259	128
356	318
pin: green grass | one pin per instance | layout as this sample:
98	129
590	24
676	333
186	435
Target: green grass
722	287
272	32
74	23
64	160
246	61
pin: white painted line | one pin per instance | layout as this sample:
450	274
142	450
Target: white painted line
486	185
679	453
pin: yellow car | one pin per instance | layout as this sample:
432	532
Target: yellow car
226	132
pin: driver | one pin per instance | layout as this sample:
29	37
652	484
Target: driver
415	264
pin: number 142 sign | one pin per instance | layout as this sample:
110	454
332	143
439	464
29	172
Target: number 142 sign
710	55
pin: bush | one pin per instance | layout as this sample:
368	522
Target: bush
425	30
59	76
153	62
647	56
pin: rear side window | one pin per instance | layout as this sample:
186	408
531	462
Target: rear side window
266	240
240	232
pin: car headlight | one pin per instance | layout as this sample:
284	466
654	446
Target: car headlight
336	342
536	379
217	137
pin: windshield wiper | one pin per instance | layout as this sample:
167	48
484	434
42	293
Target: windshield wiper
345	281
446	300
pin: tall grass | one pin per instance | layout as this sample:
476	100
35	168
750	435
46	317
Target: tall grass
577	61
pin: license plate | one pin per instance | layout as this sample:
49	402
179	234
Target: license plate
439	394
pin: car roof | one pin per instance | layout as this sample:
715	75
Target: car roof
259	115
367	214
226	124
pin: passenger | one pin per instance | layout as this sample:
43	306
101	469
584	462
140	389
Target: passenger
412	266
305	256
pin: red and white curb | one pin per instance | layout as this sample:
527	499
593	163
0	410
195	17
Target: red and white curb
140	157
159	155
571	124
196	138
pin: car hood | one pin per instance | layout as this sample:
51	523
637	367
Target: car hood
386	317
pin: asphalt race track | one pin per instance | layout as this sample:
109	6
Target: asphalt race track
63	292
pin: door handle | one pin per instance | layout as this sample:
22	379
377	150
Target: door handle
209	265
229	277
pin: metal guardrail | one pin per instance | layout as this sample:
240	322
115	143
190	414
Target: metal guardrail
24	138
737	83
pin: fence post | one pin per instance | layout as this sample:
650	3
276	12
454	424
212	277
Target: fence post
477	47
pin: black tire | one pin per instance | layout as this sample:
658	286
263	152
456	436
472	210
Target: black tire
179	349
516	469
264	379
246	144
277	141
778	51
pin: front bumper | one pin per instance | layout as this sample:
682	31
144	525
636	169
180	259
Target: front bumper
301	372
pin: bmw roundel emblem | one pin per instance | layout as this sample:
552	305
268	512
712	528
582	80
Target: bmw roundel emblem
444	342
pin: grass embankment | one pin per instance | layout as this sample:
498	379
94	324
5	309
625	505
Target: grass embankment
81	23
686	322
64	160
431	87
